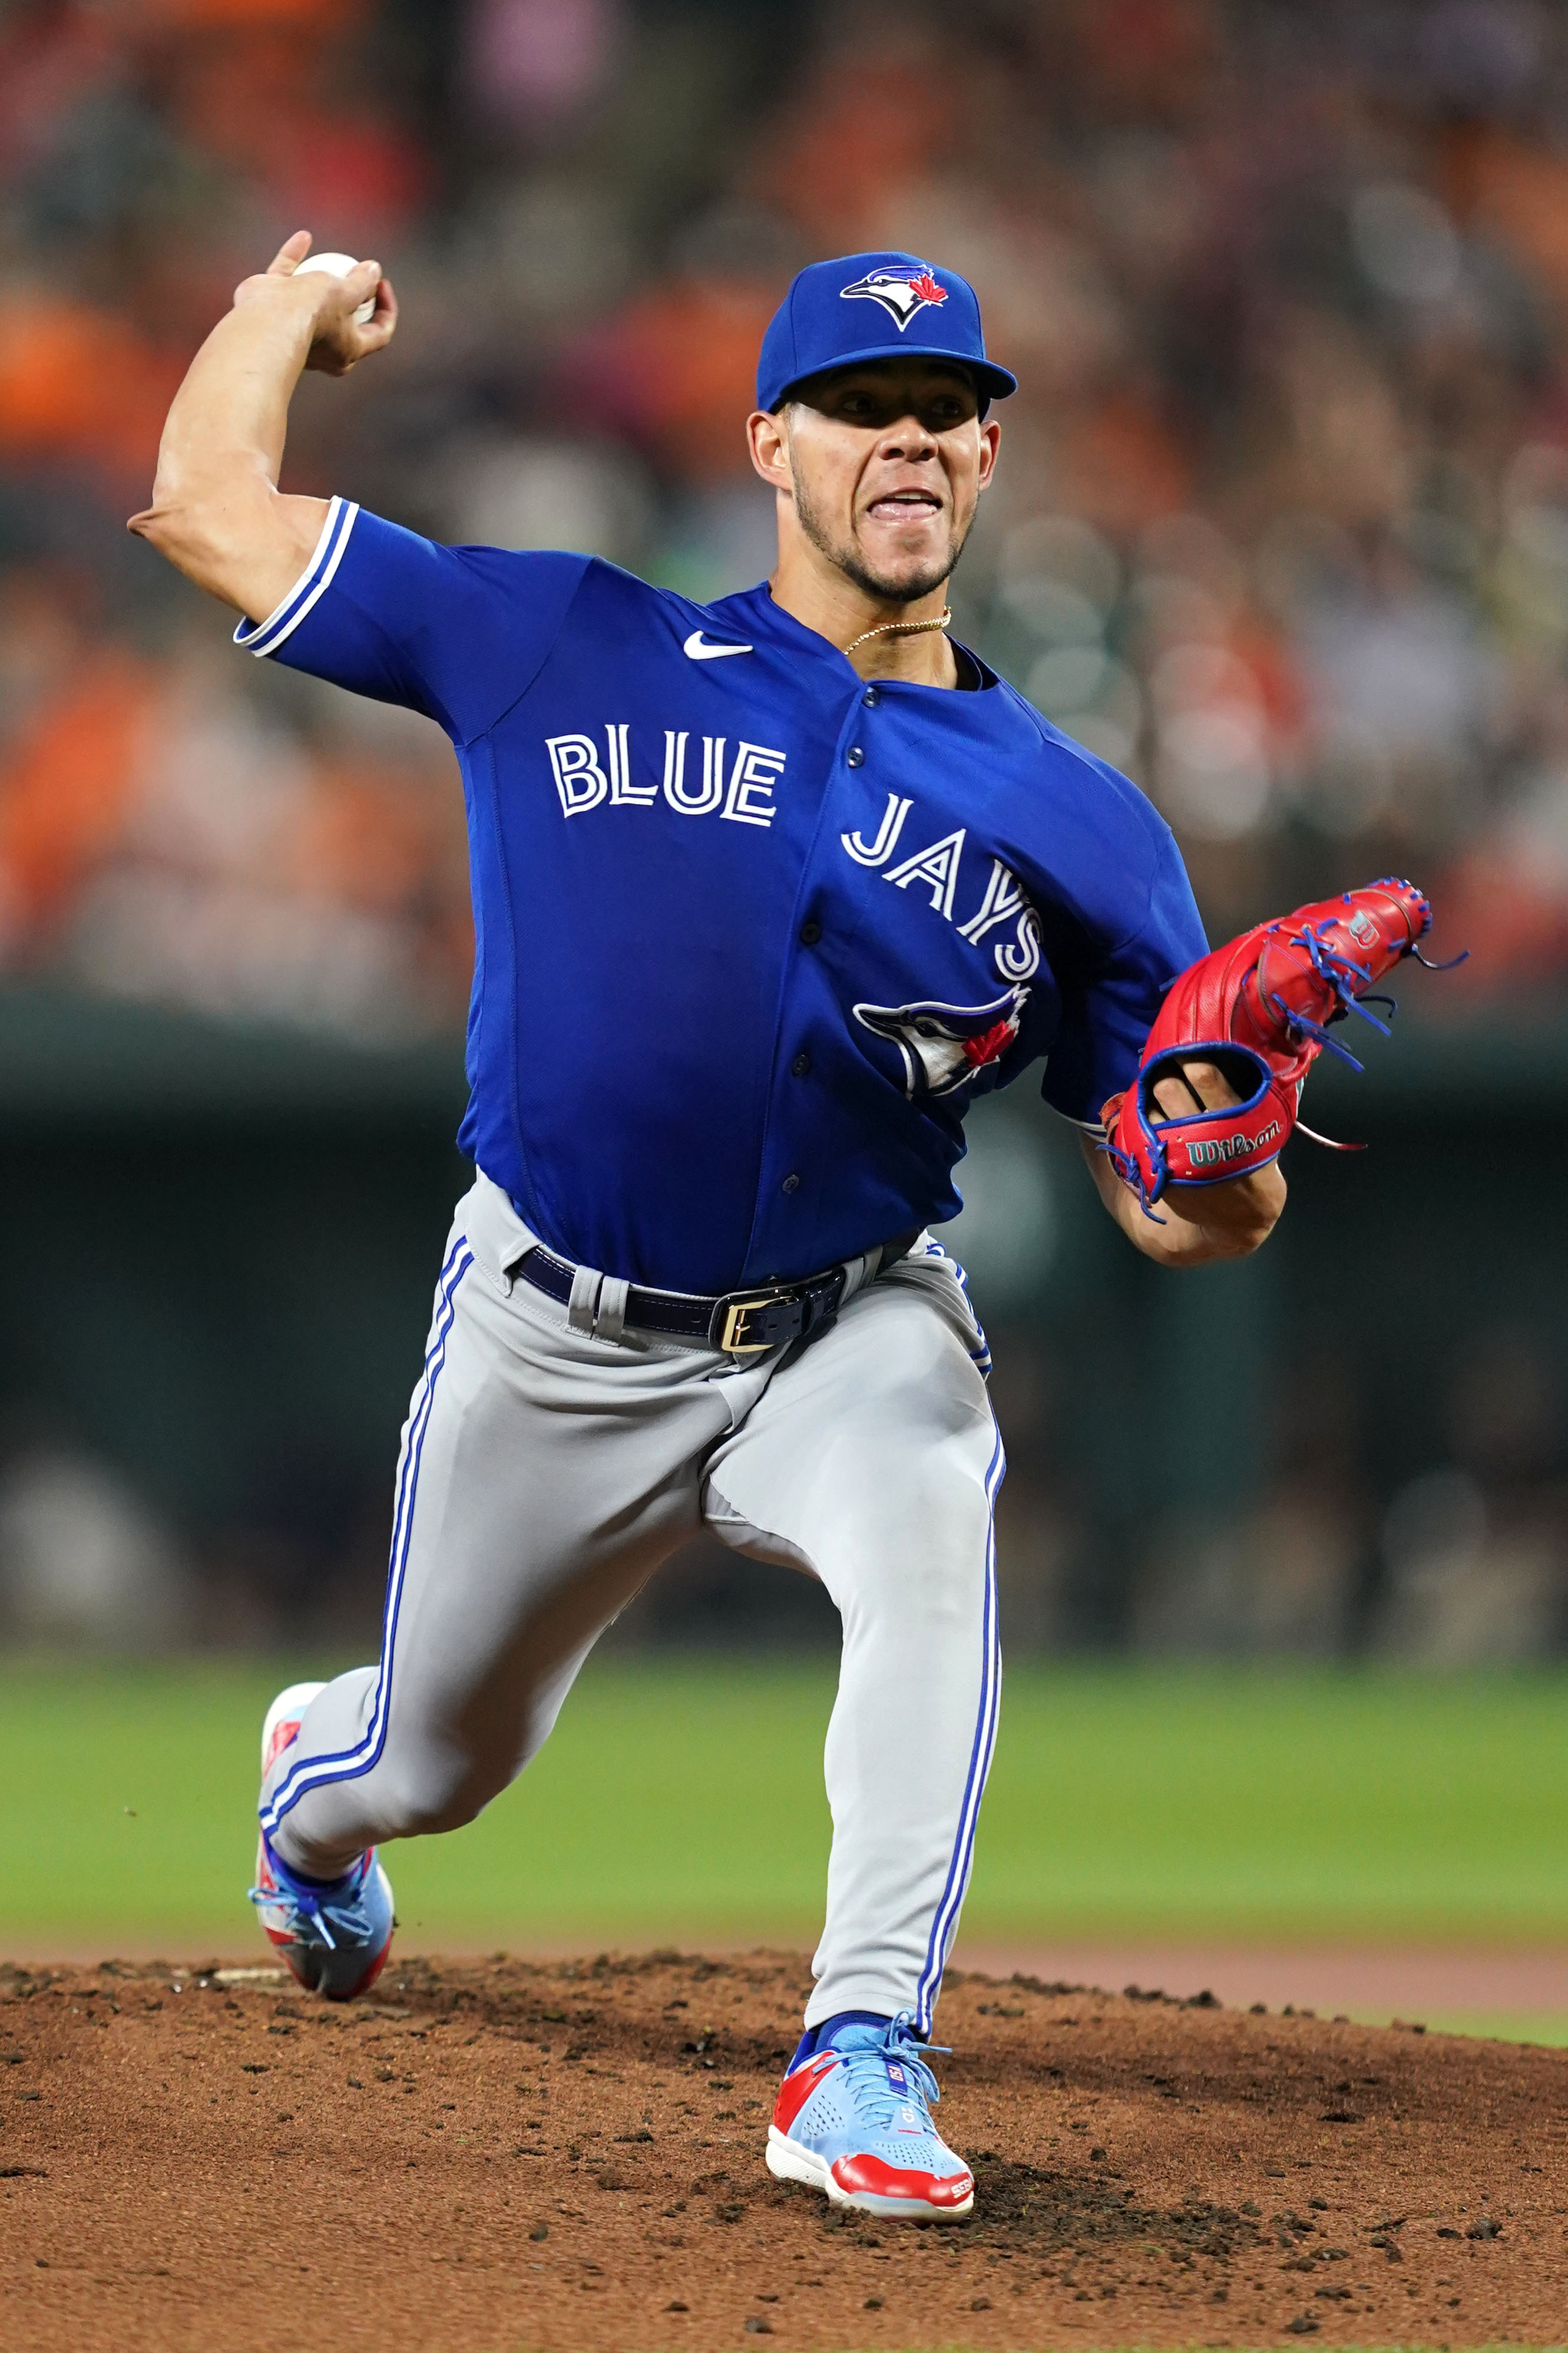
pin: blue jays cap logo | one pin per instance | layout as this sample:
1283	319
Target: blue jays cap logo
942	1047
901	292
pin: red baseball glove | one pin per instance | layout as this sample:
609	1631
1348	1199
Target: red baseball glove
1259	1011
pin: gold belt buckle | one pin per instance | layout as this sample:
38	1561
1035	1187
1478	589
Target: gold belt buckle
735	1319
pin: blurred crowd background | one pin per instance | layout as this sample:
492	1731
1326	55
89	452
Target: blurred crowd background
1281	530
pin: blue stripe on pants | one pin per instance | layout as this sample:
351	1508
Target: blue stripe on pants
347	1764
946	1919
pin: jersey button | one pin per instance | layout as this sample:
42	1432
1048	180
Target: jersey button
855	755
800	1066
791	1183
810	933
870	698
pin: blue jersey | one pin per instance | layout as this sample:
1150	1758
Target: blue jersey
751	933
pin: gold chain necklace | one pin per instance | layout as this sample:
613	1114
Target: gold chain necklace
900	628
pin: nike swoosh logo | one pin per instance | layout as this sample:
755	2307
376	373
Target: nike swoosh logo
695	651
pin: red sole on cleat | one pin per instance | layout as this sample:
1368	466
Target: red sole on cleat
789	2160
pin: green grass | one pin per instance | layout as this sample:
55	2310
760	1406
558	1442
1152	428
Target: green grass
1521	2026
683	1803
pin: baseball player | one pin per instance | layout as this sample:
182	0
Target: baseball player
765	894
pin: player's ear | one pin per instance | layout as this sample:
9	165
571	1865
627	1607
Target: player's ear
990	440
767	437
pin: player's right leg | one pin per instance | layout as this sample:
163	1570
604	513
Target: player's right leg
542	1476
334	1937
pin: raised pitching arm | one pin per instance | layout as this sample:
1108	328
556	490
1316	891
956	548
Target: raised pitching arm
216	511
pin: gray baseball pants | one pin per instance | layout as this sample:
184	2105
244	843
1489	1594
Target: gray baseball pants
546	1471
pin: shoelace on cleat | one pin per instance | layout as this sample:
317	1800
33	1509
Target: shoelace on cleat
866	2067
314	1906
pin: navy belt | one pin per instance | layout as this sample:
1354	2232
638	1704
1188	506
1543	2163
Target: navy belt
740	1323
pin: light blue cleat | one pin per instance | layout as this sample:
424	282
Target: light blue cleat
852	2119
333	1936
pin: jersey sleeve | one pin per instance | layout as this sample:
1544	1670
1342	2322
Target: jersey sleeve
458	633
1110	1003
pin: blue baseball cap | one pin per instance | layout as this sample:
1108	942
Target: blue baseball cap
875	306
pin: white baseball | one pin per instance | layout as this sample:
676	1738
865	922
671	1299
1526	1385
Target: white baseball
338	265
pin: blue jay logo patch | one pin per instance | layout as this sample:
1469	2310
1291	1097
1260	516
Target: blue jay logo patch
901	292
942	1047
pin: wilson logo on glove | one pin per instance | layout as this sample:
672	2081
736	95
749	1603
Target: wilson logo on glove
1207	1153
1260	1009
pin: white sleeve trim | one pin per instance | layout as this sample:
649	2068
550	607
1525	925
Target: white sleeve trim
261	637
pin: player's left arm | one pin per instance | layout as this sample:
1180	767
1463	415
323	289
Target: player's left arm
1255	1013
1110	1012
1202	1224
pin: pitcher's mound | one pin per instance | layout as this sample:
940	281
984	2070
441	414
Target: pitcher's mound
502	2155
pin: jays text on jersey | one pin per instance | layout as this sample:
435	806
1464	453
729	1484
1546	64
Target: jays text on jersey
751	933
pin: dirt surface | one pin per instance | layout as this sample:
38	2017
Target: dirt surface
569	2155
1377	1981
